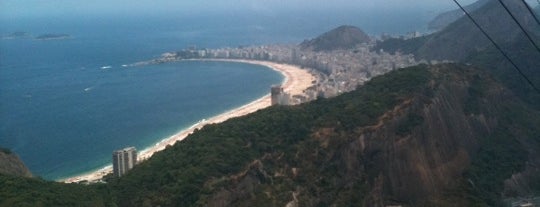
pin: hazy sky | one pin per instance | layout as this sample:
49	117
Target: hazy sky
17	8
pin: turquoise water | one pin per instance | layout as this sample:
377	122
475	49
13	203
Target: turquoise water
65	105
66	122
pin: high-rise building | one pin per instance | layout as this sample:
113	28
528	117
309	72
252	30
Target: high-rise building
124	160
278	96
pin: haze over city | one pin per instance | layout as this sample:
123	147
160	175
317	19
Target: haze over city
16	8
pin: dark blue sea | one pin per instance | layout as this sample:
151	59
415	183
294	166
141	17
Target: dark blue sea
65	105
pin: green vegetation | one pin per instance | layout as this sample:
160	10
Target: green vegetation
314	151
476	93
408	124
20	191
219	150
499	157
503	154
525	56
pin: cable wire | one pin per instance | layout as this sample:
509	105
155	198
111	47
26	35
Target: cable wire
531	11
498	48
520	26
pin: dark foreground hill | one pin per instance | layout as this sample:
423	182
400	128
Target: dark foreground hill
343	37
444	135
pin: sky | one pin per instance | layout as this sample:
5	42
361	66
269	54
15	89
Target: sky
38	8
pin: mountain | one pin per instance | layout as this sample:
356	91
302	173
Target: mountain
343	37
462	41
441	135
444	19
11	164
462	38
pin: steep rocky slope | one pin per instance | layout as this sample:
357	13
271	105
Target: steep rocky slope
343	37
11	164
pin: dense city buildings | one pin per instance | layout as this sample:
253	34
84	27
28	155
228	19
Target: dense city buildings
337	71
124	160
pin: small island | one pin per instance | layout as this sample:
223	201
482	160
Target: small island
16	35
53	37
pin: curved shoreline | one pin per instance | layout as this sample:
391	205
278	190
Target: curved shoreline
295	82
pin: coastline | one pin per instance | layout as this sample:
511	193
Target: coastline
296	80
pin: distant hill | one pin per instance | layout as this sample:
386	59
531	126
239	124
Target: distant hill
11	164
461	41
443	135
444	19
343	37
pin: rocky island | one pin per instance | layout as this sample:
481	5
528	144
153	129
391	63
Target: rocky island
53	37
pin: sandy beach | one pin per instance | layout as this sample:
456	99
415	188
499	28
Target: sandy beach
295	82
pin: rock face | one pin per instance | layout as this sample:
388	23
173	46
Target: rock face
343	37
10	164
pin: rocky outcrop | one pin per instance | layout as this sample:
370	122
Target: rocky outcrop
11	164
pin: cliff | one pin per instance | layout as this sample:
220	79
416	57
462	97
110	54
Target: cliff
343	37
11	164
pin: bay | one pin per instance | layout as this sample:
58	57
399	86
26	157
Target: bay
65	105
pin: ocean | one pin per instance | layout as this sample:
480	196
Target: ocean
65	105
